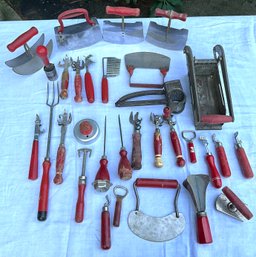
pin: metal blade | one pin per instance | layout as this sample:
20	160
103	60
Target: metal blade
156	229
172	39
25	57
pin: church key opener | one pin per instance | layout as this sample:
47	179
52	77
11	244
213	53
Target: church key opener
189	136
156	229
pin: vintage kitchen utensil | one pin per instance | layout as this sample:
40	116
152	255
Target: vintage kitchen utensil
89	88
157	120
167	117
77	66
166	36
63	121
214	173
28	62
120	193
242	158
172	91
33	168
229	203
223	160
79	217
86	131
156	229
49	68
102	180
196	186
136	141
105	226
111	68
210	92
124	166
52	101
147	60
65	77
123	33
189	136
77	35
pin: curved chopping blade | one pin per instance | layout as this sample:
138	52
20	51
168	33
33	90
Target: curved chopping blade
25	57
34	64
156	229
132	33
161	36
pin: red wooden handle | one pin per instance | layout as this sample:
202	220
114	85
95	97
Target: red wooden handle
80	203
123	11
71	14
177	149
78	88
158	149
89	89
237	202
216	119
117	214
42	52
105	231
33	168
171	14
104	90
103	173
60	160
44	191
124	167
157	183
224	165
136	151
204	235
64	84
22	39
214	174
244	163
192	153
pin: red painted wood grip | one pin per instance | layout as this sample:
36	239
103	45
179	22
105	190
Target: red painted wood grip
44	191
64	84
136	151
117	214
78	88
105	230
22	39
80	203
216	119
244	163
192	153
60	160
103	173
177	149
33	168
204	235
123	11
157	183
158	149
71	14
42	52
124	167
170	14
214	174
89	89
237	202
224	165
104	90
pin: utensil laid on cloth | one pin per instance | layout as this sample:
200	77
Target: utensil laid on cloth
105	226
65	77
210	92
151	228
28	62
196	186
123	33
166	36
77	35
